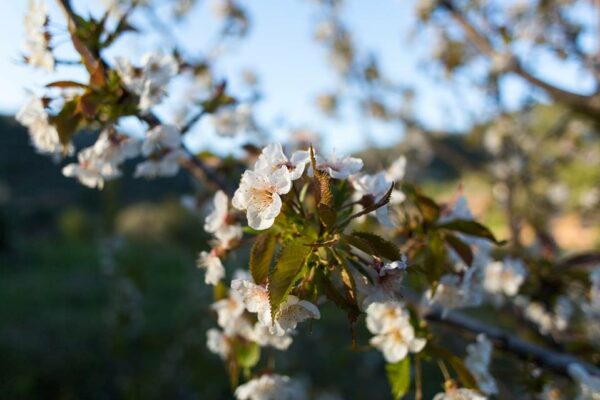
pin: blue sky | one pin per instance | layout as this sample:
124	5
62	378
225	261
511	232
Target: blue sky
291	66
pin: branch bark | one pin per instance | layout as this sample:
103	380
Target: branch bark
546	358
588	105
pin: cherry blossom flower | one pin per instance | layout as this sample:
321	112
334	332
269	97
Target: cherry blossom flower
217	343
44	136
291	312
89	172
271	387
37	39
213	266
100	162
217	218
259	194
229	310
151	80
459	394
163	145
504	277
394	335
479	355
218	223
396	170
159	138
262	335
255	298
370	189
338	167
384	285
233	120
272	158
166	166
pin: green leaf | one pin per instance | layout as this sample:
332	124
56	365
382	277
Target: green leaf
261	256
469	227
398	375
381	247
428	207
247	354
461	248
327	215
66	121
290	262
220	291
435	259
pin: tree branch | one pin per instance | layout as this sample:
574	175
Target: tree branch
549	359
586	104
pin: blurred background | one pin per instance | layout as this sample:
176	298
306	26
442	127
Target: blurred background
99	293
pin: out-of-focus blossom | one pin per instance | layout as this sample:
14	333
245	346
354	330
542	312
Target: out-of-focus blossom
504	277
291	312
459	394
232	120
271	387
479	355
213	266
44	136
37	38
394	335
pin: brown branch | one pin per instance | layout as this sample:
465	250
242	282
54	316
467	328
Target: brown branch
544	357
586	104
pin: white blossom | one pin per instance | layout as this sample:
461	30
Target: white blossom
213	266
259	195
384	285
163	145
229	310
167	165
272	158
394	335
459	394
37	39
271	387
338	167
232	120
263	337
161	138
479	355
217	222
504	277
396	170
217	343
150	81
217	218
374	187
101	162
44	136
291	312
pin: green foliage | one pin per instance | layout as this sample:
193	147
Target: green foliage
372	244
398	375
261	256
289	264
469	227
